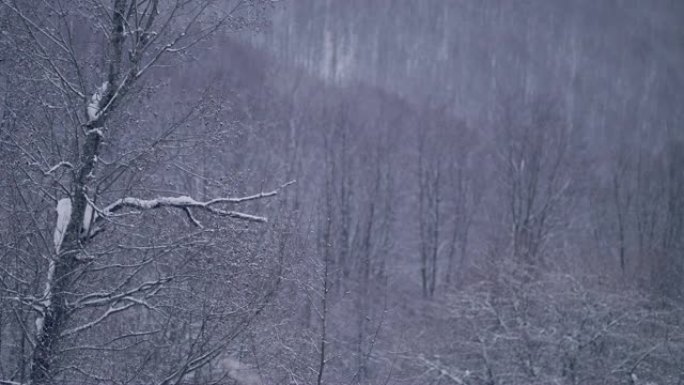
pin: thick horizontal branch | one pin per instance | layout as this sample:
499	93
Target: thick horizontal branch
182	202
185	203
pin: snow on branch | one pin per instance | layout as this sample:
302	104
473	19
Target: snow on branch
186	203
58	166
108	313
182	202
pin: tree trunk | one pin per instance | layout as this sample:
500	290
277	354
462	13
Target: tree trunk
61	274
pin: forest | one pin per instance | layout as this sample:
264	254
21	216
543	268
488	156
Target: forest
352	192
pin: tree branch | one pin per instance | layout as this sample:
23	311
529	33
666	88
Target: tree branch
185	203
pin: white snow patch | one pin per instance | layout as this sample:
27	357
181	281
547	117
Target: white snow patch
94	105
63	218
88	218
95	131
40	322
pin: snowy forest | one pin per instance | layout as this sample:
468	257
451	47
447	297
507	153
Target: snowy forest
352	192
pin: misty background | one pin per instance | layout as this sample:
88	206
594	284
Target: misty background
372	192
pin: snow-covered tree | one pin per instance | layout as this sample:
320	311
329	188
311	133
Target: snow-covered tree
84	121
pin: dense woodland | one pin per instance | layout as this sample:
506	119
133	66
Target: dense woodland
341	192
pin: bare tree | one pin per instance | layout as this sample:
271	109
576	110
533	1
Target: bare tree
87	62
448	197
533	160
430	209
